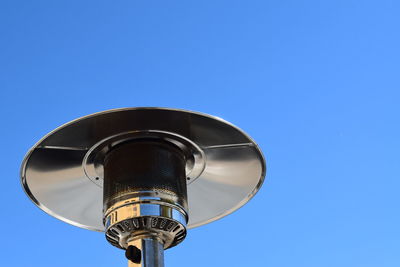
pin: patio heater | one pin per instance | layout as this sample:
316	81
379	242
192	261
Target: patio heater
143	176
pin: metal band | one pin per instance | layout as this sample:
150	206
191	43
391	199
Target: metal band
150	197
136	217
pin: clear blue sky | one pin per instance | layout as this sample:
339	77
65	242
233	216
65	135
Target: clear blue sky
315	83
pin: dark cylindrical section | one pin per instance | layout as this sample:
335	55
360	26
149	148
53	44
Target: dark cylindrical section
143	165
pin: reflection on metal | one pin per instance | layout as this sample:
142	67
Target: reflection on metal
143	175
164	220
145	251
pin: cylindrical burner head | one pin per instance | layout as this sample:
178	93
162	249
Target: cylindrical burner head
145	192
144	165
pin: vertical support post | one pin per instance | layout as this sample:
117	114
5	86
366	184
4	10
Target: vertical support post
145	252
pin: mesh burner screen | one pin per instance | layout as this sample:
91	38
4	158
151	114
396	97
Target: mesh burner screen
143	165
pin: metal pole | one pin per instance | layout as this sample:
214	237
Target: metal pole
145	252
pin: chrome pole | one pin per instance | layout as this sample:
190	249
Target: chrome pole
145	252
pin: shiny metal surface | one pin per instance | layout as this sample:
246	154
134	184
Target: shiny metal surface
145	215
60	175
151	252
149	197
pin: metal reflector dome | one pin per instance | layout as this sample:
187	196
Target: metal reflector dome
64	172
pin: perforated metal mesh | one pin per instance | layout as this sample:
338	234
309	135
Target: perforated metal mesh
143	165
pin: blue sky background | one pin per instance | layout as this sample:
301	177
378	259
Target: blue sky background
315	83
